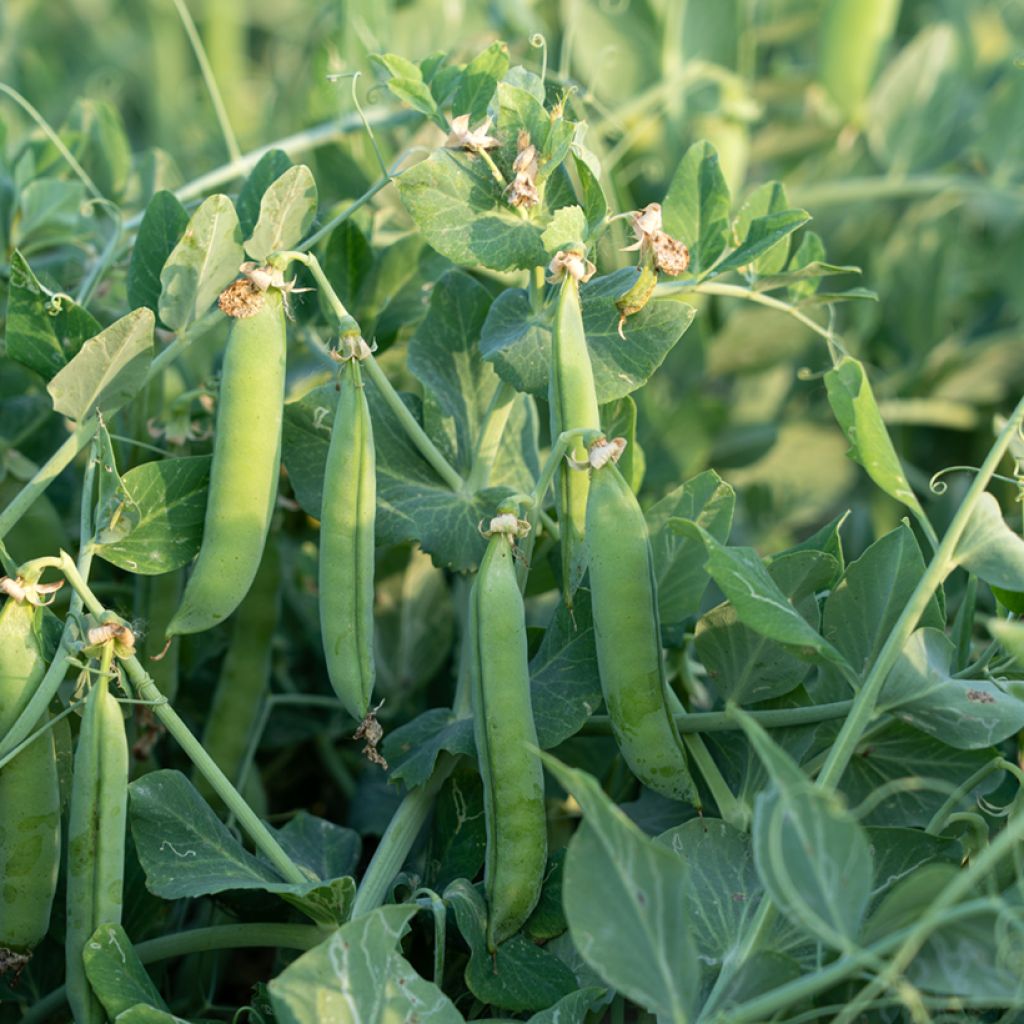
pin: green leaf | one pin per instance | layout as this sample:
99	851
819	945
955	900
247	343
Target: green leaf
143	1014
595	204
855	409
618	419
166	500
359	976
161	229
969	714
766	199
758	601
637	934
517	338
547	921
413	748
186	851
519	110
519	975
764	233
898	752
812	856
348	263
989	548
326	849
109	369
1010	635
745	666
458	834
287	209
696	207
31	337
202	264
708	501
115	972
462	213
49	213
568	227
406	83
479	81
571	1009
861	611
271	166
95	134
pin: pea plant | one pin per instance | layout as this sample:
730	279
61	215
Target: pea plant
372	653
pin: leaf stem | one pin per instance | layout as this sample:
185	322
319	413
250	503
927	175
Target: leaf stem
398	838
720	721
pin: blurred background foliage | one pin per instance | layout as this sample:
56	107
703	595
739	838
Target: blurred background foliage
904	141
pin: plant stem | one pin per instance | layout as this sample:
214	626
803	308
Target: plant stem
719	721
732	811
398	838
271	935
941	565
874	188
491	432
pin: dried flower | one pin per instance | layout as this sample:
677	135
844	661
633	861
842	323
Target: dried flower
464	137
571	262
522	190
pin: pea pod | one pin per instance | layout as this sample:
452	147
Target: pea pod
627	634
243	477
636	297
504	729
573	400
29	796
244	675
96	840
347	544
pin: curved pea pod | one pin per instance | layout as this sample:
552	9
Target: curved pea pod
96	840
627	634
505	733
29	797
347	522
573	400
636	297
244	473
853	35
244	676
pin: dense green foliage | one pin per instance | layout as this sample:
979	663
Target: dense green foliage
431	226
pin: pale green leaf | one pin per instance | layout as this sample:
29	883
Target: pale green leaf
287	209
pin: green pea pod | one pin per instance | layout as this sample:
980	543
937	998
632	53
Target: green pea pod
636	297
243	477
504	728
853	35
573	400
347	547
244	675
29	796
96	840
627	634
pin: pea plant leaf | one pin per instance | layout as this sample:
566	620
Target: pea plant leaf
163	224
568	226
109	369
158	525
462	213
269	168
856	411
186	850
696	207
989	548
705	499
478	82
359	976
762	236
968	714
746	666
766	199
287	208
519	976
811	854
758	601
115	972
638	935
202	264
405	81
517	338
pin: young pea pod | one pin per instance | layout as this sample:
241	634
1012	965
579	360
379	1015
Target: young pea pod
243	477
244	675
504	729
573	401
636	297
29	797
347	520
96	840
627	634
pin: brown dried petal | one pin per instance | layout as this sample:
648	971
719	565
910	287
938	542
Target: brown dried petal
670	255
523	193
242	298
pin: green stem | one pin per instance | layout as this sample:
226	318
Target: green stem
565	441
735	291
732	811
398	838
719	721
271	935
942	563
491	432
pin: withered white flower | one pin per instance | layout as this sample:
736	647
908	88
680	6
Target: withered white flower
462	136
571	262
